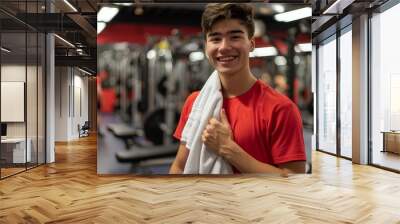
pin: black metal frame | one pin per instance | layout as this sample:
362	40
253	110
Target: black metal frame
326	35
0	91
317	89
369	103
316	97
26	88
45	90
340	29
37	96
338	98
341	32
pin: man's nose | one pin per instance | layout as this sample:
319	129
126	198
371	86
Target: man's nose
225	44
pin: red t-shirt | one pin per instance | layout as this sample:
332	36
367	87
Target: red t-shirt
265	123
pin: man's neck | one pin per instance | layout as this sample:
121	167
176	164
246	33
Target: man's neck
236	84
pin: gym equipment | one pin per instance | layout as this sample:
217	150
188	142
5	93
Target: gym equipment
137	154
124	132
160	71
155	127
154	130
152	82
148	156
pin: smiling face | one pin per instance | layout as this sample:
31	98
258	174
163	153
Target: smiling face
228	47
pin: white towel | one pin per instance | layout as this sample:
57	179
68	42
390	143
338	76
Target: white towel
208	103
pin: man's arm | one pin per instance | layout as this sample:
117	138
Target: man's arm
294	166
218	137
245	163
180	160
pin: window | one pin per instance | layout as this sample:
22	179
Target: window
346	92
385	88
22	76
327	96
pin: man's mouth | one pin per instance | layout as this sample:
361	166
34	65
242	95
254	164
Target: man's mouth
226	58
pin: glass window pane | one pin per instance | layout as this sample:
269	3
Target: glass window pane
346	94
31	96
23	81
13	86
327	96
385	89
41	98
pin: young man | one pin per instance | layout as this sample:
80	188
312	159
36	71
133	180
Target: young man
260	130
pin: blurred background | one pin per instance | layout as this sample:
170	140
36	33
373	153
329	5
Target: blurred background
150	57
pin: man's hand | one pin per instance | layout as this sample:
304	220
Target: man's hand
218	134
218	137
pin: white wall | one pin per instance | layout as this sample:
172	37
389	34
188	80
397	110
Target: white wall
61	103
33	126
13	100
14	73
71	93
80	102
85	99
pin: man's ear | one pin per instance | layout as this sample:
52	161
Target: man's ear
253	44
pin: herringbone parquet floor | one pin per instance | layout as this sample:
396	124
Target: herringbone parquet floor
70	191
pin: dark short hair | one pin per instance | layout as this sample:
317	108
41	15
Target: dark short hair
219	11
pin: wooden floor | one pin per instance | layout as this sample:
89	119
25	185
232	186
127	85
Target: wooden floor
70	191
5	172
10	171
388	159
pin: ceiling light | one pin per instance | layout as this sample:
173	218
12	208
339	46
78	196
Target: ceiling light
138	11
65	41
265	10
121	46
296	59
123	4
81	52
196	56
306	47
151	54
280	61
264	52
193	46
100	27
294	15
259	28
5	50
338	6
84	71
70	5
106	14
278	8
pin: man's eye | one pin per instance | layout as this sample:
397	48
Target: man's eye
235	37
215	39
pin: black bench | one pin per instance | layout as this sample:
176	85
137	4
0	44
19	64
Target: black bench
138	154
124	132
